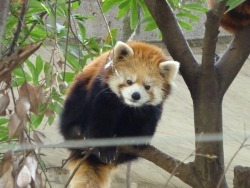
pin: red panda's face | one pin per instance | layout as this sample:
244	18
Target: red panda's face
137	89
139	80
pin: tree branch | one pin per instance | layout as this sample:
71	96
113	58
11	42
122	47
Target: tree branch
19	27
181	170
212	25
234	58
174	39
4	8
15	59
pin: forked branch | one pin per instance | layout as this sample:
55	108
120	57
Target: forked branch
174	39
15	59
181	170
234	58
212	25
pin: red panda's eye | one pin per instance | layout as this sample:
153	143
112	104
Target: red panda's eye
147	87
129	82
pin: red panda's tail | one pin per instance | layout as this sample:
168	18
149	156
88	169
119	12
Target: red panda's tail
91	175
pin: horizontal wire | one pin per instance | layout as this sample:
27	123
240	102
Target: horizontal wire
105	142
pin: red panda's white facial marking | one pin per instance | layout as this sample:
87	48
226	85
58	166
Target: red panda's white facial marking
135	92
135	95
139	80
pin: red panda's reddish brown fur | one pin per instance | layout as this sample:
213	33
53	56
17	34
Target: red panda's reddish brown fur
236	19
118	97
141	51
91	176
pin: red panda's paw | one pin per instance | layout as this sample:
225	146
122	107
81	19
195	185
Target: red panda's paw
106	155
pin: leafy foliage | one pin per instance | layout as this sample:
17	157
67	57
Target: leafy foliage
234	3
33	94
186	12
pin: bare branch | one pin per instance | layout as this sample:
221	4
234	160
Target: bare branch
181	170
19	27
174	39
4	8
105	20
212	25
15	59
234	58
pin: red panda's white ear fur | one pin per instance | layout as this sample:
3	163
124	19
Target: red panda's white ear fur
122	50
169	70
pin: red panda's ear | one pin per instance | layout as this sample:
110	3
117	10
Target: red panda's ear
169	70
122	50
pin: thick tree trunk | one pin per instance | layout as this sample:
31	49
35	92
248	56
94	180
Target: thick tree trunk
207	82
209	160
241	177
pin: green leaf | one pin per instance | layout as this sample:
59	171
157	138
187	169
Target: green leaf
61	11
57	108
188	15
36	5
3	130
123	4
185	25
36	120
51	120
20	73
11	22
73	61
69	76
123	9
82	28
37	18
49	9
75	51
18	82
75	5
195	7
108	4
3	121
48	73
33	72
54	94
82	18
133	14
234	3
151	26
39	65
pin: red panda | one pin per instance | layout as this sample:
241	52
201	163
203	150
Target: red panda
122	97
235	19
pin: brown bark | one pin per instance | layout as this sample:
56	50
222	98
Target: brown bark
241	177
4	9
9	63
234	58
207	84
174	39
181	170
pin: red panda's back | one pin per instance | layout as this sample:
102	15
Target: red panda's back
89	72
237	18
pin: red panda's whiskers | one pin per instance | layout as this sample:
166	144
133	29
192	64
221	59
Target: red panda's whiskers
101	91
164	89
158	109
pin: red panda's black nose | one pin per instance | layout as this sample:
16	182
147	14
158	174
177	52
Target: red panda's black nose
136	96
